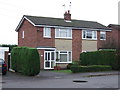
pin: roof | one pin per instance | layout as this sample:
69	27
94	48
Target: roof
59	22
114	26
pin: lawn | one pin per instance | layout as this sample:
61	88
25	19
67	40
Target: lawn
63	71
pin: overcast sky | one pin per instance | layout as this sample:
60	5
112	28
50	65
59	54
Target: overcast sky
11	12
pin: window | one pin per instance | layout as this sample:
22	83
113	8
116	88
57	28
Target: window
64	56
47	32
63	33
88	34
23	34
102	35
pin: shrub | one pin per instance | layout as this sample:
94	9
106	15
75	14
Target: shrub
25	60
103	57
92	68
73	63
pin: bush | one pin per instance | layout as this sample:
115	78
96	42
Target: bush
25	60
103	57
92	68
73	63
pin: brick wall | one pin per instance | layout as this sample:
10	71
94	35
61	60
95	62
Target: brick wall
111	39
76	44
41	53
33	36
42	41
30	35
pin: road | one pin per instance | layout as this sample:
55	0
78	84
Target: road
59	80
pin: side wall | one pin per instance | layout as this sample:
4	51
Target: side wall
30	32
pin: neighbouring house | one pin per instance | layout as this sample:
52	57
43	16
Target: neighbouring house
115	34
60	40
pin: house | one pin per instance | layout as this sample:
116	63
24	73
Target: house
115	34
60	40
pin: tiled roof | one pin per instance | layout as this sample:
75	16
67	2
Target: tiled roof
117	27
48	21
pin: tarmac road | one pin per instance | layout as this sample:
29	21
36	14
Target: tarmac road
48	79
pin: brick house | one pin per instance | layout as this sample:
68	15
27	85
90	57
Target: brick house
60	40
115	34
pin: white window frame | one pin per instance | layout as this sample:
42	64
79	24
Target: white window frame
102	32
44	32
61	30
23	34
67	52
92	32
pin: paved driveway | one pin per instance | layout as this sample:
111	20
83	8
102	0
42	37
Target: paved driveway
49	79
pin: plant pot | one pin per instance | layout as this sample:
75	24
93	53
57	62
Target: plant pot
56	67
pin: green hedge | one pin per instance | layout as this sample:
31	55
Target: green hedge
100	58
92	68
25	60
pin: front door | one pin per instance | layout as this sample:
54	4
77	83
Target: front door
49	59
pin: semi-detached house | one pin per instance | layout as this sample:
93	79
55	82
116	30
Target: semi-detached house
60	41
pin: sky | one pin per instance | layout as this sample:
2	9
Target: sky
11	12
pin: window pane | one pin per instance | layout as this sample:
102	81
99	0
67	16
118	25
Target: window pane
63	57
45	56
84	36
52	56
48	56
47	64
89	34
69	33
63	33
52	64
102	35
94	34
69	56
57	32
47	32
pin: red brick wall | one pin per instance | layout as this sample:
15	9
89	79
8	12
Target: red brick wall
41	53
33	36
30	35
42	41
76	44
111	37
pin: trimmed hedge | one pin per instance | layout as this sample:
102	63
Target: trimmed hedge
100	58
25	60
92	68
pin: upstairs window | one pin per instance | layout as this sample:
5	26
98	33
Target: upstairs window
63	33
102	35
47	32
88	34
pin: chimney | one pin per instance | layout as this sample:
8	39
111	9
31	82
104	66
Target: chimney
67	16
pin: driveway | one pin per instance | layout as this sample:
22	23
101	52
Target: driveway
49	79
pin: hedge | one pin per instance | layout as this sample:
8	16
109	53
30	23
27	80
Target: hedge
100	58
92	68
25	60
